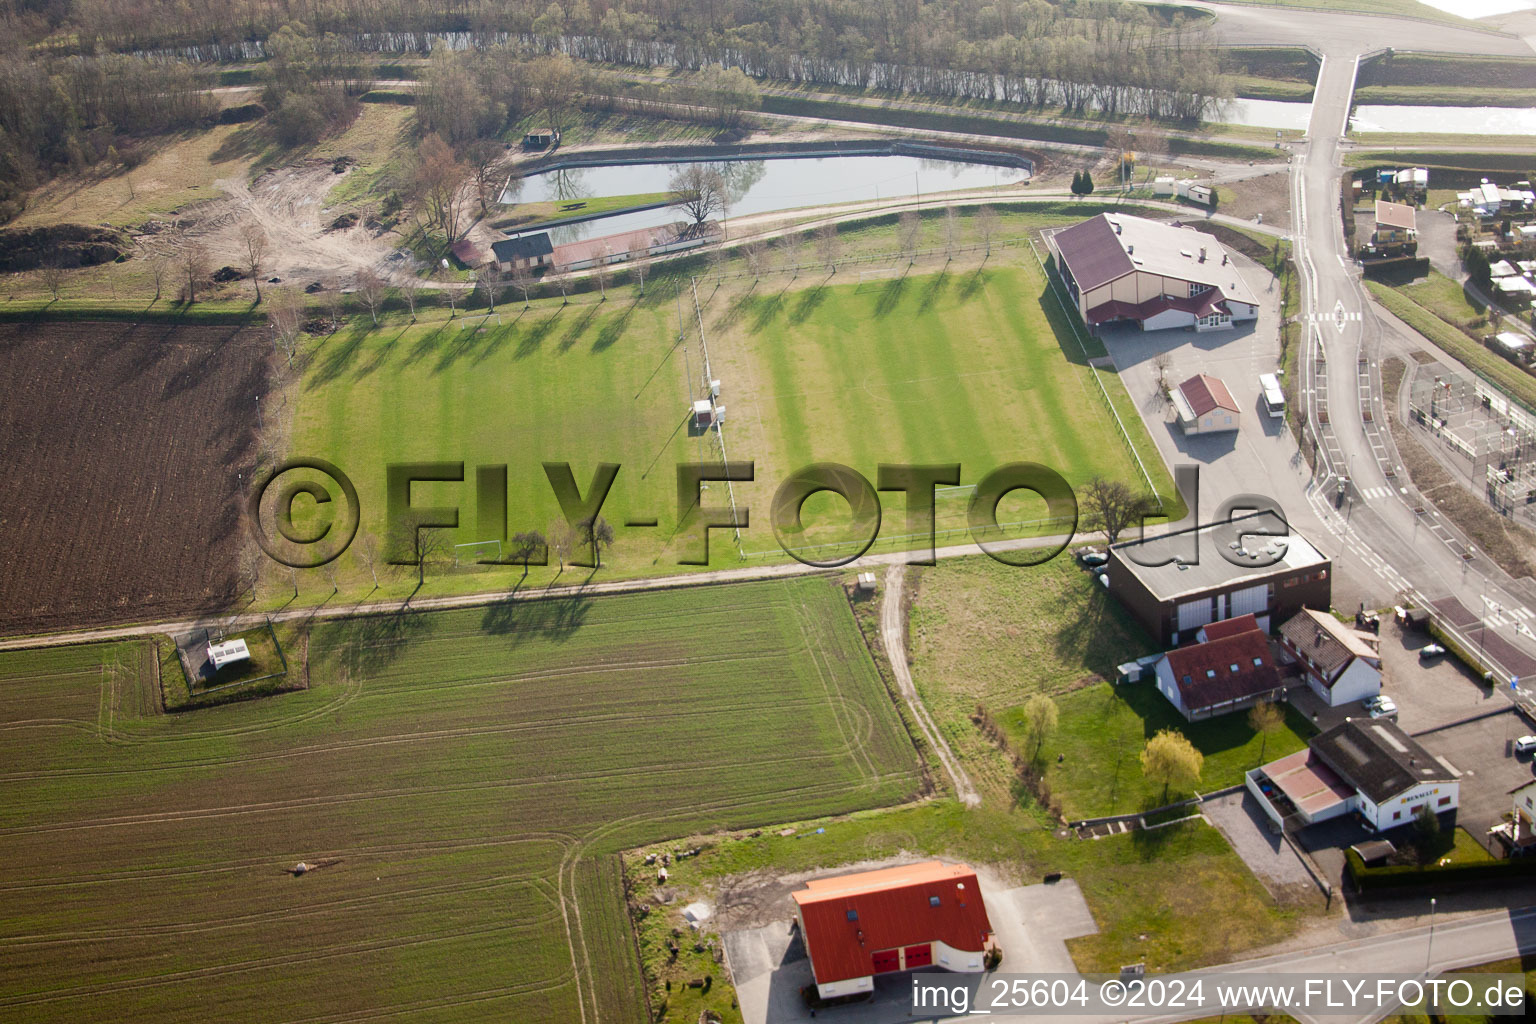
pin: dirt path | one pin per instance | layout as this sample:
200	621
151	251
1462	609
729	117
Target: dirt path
893	630
745	574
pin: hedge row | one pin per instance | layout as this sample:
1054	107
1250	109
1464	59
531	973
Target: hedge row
1401	876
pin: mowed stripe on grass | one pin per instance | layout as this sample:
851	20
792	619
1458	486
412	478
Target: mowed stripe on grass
462	770
948	367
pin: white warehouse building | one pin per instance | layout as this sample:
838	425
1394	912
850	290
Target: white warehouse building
1118	267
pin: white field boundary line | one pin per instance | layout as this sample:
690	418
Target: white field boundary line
1071	315
730	488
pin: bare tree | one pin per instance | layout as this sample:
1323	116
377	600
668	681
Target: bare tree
789	249
522	279
1111	506
560	274
753	253
951	230
562	540
335	301
159	265
417	546
193	263
698	191
640	268
450	288
438	183
410	291
484	157
527	546
908	224
53	274
600	269
594	532
986	226
367	550
371	289
490	282
1162	363
253	250
828	244
286	315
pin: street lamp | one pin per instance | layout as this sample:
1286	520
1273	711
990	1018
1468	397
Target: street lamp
1428	953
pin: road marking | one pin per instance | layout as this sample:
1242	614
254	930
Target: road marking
1521	612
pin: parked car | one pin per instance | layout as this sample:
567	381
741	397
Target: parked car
1381	706
1090	559
1525	744
1430	651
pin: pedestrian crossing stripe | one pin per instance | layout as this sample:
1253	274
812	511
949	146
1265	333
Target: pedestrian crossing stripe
1521	612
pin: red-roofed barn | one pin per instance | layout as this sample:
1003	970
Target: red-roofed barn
874	922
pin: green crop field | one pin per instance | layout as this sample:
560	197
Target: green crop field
975	364
462	782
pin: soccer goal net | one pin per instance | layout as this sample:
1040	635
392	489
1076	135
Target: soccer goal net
476	551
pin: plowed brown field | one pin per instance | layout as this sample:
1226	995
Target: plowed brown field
122	445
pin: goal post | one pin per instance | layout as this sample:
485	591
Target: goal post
476	551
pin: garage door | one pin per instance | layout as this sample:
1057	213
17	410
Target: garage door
1194	614
919	956
1251	599
886	960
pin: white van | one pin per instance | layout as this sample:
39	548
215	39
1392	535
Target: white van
1274	397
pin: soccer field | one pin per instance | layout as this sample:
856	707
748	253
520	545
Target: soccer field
461	780
973	364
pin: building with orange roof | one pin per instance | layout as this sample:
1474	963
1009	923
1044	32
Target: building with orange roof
924	915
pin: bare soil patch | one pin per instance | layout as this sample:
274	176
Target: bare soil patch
123	447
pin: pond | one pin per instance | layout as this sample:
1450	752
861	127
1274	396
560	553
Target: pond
1445	120
762	186
1265	114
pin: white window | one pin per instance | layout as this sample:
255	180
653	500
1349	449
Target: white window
1228	420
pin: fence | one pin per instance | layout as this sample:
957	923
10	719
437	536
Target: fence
1070	312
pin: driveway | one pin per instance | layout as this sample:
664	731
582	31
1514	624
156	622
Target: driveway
1032	923
1482	755
1429	693
1268	856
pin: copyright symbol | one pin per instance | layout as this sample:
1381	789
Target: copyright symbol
324	534
1112	992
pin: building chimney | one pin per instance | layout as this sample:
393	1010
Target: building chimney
1223	259
1319	638
1130	250
1202	254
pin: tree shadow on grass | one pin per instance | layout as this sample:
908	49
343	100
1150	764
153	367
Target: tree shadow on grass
427	343
810	299
613	328
339	354
577	328
890	295
974	283
369	643
533	340
381	354
556	618
934	290
768	310
736	309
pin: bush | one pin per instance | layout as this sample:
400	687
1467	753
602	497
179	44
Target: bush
298	122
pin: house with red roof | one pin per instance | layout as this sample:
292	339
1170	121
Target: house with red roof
1156	275
927	916
1231	671
1204	405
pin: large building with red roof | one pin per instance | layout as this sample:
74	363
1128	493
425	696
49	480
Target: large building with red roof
1156	275
927	915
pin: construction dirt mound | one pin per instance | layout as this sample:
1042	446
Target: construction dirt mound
67	245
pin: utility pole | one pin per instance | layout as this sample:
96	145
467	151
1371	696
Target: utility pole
1428	953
